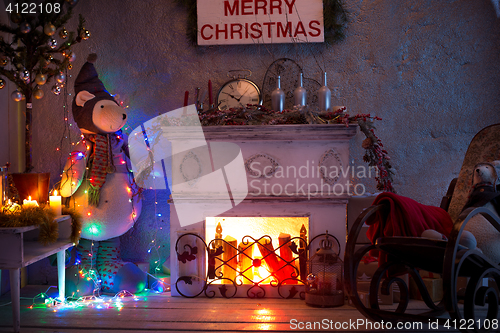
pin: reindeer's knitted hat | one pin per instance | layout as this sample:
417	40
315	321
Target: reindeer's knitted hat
88	80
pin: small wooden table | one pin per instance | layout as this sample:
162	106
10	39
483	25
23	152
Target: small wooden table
19	247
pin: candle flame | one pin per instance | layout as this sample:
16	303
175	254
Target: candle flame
55	192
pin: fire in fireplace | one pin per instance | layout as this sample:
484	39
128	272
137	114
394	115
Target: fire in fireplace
244	256
256	250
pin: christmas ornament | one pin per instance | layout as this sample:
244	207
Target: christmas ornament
324	96
2	83
63	33
70	66
25	27
52	43
49	29
16	18
72	57
38	93
60	77
278	97
40	79
84	34
299	94
56	90
17	96
311	279
3	61
24	75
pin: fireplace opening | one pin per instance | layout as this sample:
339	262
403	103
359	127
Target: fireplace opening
256	250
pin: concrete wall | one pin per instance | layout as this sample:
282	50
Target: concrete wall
429	68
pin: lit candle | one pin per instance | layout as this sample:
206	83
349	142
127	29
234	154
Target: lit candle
55	203
27	203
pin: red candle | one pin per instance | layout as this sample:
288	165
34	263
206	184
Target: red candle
186	98
210	100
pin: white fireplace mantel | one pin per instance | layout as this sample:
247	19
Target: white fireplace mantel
330	132
283	165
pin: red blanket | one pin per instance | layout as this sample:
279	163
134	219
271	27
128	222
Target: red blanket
406	217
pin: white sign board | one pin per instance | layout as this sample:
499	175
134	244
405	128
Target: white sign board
259	21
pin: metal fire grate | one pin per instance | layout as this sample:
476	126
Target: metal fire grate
232	268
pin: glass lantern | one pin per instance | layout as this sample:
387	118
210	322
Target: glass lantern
325	285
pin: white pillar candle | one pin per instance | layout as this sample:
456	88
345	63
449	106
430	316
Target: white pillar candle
29	203
55	203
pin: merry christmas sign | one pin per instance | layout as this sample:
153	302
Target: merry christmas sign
259	21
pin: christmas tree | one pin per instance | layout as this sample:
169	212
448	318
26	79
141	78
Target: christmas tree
32	56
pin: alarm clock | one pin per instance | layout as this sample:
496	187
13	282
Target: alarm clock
237	93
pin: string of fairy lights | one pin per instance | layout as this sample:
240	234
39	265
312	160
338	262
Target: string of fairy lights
98	302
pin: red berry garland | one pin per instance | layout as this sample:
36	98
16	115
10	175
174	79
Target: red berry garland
374	155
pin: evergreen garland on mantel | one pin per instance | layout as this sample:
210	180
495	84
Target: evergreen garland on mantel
334	20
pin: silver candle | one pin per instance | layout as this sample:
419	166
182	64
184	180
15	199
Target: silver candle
324	96
300	94
278	97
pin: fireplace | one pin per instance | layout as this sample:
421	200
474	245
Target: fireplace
297	179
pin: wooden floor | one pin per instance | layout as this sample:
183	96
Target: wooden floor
150	312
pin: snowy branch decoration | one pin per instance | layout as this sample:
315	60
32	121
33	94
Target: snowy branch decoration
32	56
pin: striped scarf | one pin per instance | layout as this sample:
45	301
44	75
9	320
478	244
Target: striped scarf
99	160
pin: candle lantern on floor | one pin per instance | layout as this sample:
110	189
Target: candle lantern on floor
325	287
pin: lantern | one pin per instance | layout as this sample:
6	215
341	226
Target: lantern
325	286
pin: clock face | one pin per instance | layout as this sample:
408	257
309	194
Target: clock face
238	93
